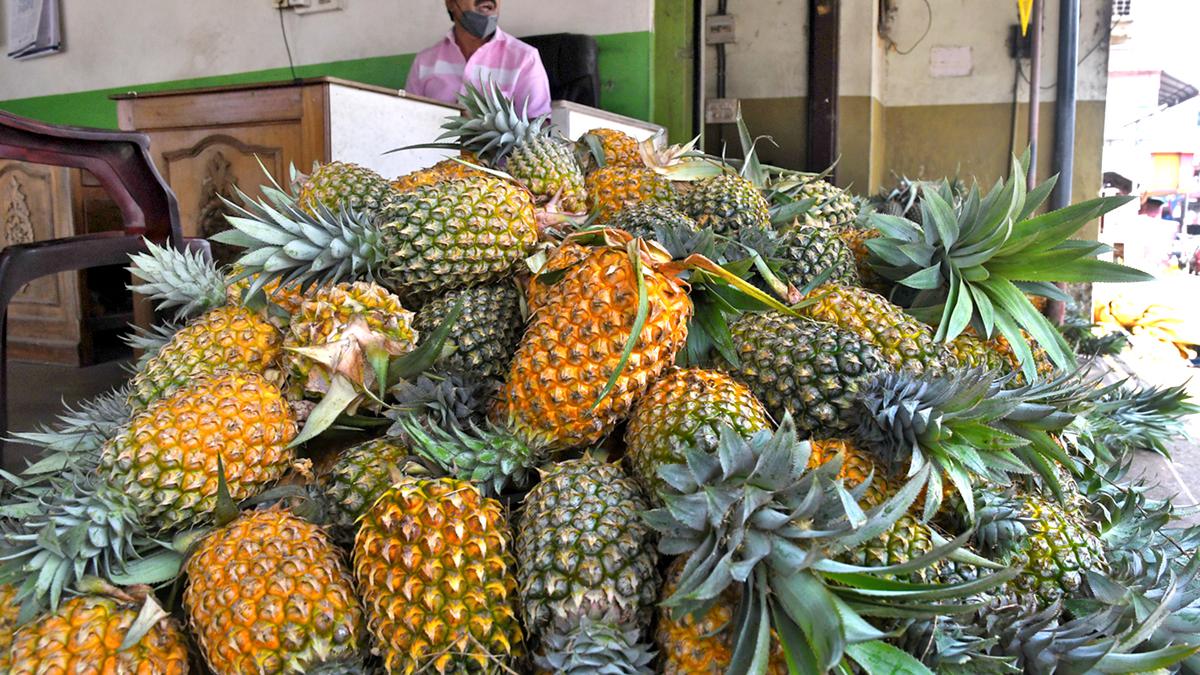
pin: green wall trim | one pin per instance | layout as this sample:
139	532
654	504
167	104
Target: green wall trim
672	77
624	62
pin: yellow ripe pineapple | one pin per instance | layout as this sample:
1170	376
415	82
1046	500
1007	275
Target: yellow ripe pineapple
618	147
574	343
229	338
346	329
690	645
269	593
85	634
288	298
856	239
905	343
166	457
447	169
616	186
564	256
434	569
8	622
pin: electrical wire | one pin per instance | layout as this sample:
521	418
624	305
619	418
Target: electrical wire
287	45
928	27
1021	66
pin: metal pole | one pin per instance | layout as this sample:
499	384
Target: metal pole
1064	118
1035	89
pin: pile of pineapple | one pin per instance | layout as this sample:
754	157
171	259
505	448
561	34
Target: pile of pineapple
601	407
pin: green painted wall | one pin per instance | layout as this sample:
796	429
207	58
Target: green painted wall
625	62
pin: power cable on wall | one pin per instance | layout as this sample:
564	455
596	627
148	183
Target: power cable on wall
928	27
1021	68
287	45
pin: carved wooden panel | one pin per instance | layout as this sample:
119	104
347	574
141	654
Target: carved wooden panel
44	320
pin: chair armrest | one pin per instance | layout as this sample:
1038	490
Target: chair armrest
22	263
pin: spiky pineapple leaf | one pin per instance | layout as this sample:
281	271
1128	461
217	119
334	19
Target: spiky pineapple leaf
880	658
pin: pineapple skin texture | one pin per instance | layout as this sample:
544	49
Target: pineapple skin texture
565	255
583	549
445	170
328	314
339	184
433	566
811	369
616	186
689	645
905	343
809	251
229	338
1056	554
834	207
358	477
619	147
166	457
453	234
686	406
84	636
9	610
726	203
548	168
269	593
574	343
643	220
486	334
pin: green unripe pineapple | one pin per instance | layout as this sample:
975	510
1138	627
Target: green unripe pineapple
726	203
339	185
485	336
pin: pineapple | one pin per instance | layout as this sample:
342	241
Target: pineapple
8	622
647	220
810	369
855	239
433	566
269	593
998	356
833	207
484	337
617	186
906	344
526	148
341	185
349	329
726	203
574	343
619	148
424	242
445	170
694	645
562	258
85	635
359	475
686	407
808	251
166	458
586	563
225	339
1052	545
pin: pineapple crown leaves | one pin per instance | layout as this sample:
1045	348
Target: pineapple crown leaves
968	425
492	127
189	281
590	646
149	341
751	514
1127	418
75	439
70	527
285	242
1081	335
491	459
971	265
446	401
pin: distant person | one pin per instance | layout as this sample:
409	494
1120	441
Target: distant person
477	51
1155	237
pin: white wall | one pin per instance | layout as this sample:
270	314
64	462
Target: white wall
983	25
770	57
111	43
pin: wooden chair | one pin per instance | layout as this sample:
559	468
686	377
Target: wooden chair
121	162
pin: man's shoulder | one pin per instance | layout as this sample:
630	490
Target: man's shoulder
518	46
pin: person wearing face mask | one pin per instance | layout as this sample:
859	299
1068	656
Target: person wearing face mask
476	51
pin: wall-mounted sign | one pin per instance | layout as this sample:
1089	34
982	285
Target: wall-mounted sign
34	28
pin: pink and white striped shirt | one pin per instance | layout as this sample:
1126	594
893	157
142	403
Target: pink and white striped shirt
440	71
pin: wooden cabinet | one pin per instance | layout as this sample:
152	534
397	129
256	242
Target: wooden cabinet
45	320
207	142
